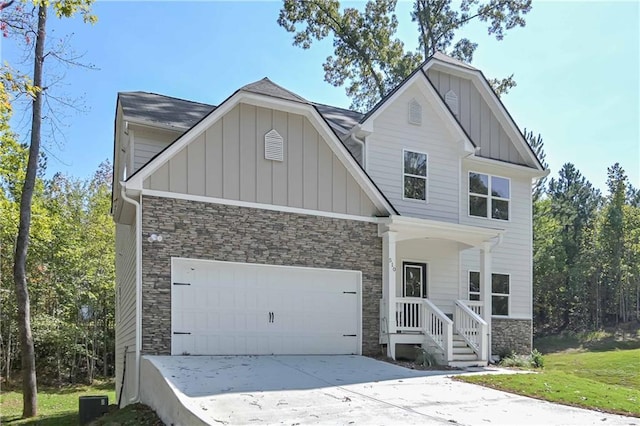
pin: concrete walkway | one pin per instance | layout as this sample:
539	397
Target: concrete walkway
292	390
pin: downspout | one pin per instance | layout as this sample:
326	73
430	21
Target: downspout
136	204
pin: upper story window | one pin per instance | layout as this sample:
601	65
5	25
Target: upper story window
499	292
489	196
414	175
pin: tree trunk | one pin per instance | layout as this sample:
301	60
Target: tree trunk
29	386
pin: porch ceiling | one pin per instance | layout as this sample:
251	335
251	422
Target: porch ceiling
408	228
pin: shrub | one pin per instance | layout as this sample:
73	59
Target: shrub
534	360
537	360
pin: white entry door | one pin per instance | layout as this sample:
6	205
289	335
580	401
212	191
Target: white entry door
226	308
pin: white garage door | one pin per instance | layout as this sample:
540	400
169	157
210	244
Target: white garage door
224	308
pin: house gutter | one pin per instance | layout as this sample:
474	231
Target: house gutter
138	208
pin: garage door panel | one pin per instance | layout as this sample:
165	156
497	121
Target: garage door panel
227	307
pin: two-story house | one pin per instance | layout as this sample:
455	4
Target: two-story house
269	224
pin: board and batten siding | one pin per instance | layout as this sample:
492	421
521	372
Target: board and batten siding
513	255
442	258
148	143
228	161
125	307
476	117
393	133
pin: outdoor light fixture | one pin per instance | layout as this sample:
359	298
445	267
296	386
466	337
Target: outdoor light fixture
154	237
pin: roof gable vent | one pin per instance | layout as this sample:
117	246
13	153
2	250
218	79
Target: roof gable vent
452	101
415	112
273	146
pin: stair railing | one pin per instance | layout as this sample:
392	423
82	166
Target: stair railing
472	328
438	327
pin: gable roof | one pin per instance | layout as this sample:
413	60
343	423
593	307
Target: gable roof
488	93
266	93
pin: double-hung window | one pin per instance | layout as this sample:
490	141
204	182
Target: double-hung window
489	196
499	292
414	179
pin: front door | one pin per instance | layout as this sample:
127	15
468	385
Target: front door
414	279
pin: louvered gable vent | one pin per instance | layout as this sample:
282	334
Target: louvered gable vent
452	101
415	112
273	146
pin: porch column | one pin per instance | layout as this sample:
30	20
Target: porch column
389	284
486	290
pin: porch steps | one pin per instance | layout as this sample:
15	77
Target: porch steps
463	355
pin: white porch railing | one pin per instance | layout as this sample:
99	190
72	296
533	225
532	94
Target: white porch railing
439	328
471	327
421	315
409	315
475	305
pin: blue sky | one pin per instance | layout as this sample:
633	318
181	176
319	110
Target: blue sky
576	64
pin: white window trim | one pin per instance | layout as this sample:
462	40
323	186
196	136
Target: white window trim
508	295
426	177
488	196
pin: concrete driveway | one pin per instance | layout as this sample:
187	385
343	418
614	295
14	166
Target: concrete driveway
292	390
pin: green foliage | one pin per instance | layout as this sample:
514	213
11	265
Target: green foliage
605	381
533	360
537	360
57	405
369	58
586	251
70	266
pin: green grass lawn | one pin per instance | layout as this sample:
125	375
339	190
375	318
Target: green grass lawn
59	407
56	406
594	374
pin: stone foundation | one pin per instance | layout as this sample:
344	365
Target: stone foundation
209	231
511	335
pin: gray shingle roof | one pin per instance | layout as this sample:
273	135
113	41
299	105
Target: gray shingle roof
183	114
341	120
161	109
269	88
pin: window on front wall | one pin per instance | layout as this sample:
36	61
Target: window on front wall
499	292
489	196
415	175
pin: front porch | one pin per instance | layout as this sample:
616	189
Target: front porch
425	290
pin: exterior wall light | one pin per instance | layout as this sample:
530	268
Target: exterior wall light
154	237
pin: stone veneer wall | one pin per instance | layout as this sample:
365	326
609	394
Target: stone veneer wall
200	230
511	335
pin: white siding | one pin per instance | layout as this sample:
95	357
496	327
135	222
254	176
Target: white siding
125	306
442	272
513	256
148	143
392	134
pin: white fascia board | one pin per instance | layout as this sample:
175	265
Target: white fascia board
494	103
261	206
445	115
155	125
408	228
510	168
304	109
434	99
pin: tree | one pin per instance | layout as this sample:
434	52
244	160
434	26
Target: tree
537	145
371	60
62	8
573	204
